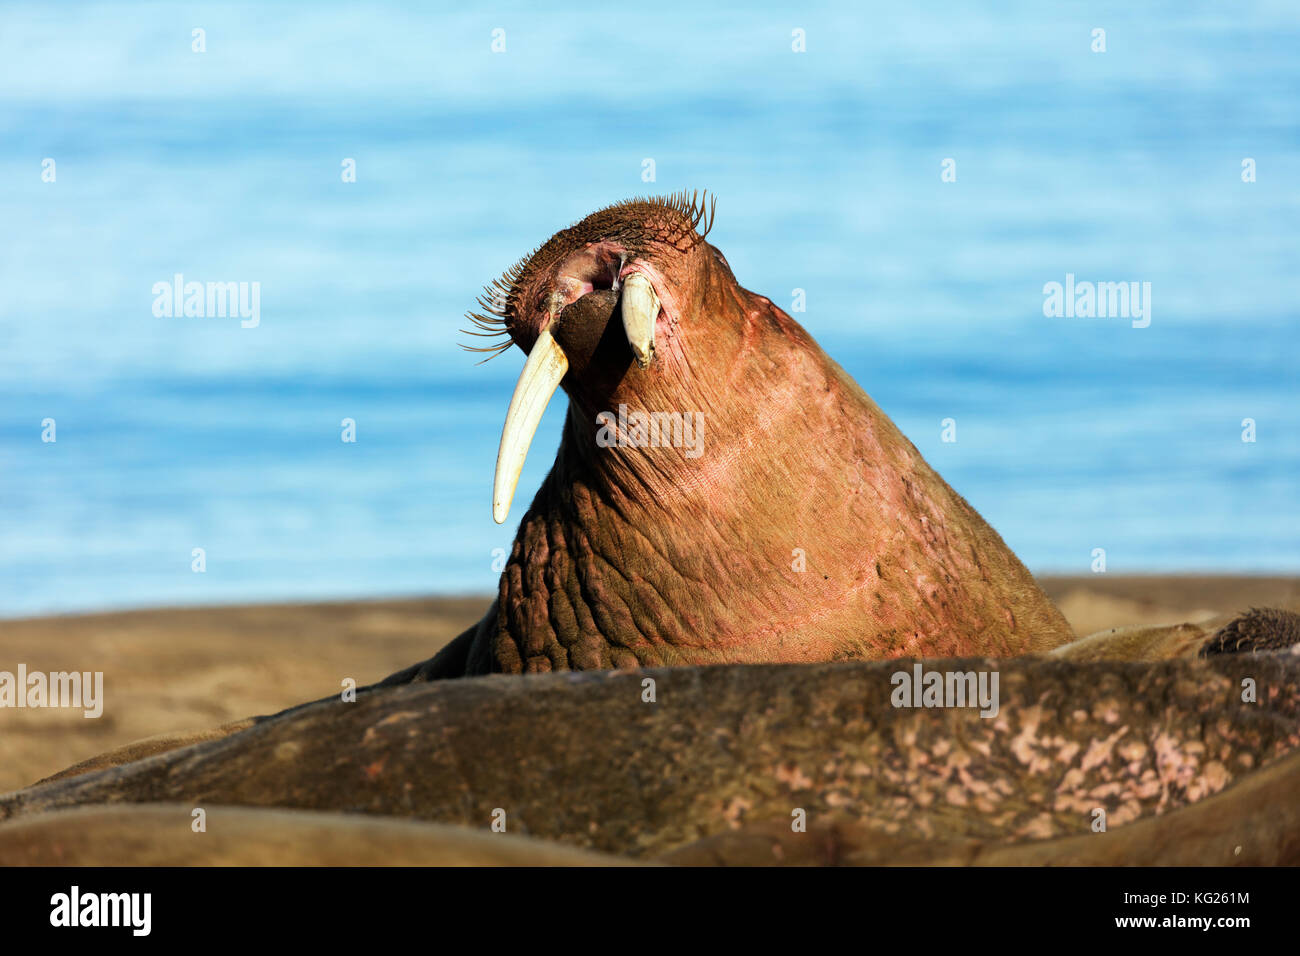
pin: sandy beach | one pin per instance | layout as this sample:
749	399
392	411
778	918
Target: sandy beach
189	669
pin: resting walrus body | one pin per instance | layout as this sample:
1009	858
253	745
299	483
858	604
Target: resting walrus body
788	520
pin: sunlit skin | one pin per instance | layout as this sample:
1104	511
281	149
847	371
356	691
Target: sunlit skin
808	529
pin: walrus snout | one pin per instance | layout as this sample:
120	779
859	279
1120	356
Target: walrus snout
559	306
592	340
568	288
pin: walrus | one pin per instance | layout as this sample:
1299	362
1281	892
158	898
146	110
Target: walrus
725	753
723	492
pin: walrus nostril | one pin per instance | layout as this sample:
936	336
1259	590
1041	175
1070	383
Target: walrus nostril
592	269
589	256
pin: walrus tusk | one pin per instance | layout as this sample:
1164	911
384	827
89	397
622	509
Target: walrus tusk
546	365
640	310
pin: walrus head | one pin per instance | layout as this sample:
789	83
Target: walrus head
595	308
723	490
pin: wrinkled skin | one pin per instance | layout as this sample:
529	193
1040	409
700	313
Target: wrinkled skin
648	556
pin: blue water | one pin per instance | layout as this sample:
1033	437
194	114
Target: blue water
1073	434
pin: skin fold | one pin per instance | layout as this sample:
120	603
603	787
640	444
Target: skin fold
803	526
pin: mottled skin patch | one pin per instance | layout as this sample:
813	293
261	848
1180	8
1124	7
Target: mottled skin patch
579	758
1253	823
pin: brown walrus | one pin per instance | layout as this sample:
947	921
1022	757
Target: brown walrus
727	753
723	492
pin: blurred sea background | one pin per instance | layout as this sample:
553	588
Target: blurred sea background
1072	434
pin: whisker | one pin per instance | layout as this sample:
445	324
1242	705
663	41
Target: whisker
494	349
695	213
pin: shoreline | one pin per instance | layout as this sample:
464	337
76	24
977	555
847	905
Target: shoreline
1169	586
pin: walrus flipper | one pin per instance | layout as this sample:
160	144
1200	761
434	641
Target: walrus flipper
1259	629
